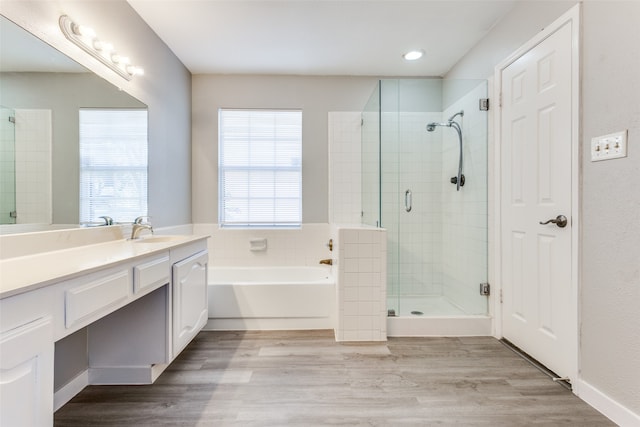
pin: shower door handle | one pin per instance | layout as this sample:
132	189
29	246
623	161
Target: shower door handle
408	200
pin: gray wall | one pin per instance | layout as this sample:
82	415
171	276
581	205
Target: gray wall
610	276
316	96
165	88
609	273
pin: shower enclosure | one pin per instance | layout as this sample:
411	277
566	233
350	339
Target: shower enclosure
436	227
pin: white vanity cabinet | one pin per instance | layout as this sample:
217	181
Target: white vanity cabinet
190	302
130	315
26	374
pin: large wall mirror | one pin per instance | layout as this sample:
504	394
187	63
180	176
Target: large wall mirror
42	92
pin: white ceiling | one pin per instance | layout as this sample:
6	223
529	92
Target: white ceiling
320	37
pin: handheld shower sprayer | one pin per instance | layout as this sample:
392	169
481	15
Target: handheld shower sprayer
459	179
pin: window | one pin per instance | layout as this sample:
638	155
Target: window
260	168
113	164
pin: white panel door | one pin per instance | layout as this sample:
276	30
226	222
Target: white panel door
536	164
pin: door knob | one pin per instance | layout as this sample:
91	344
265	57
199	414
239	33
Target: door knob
560	221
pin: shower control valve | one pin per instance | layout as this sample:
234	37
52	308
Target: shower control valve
454	180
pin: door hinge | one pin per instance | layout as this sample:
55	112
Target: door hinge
485	289
500	296
12	119
484	104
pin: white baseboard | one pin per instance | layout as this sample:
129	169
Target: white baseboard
69	390
121	375
268	324
611	409
156	370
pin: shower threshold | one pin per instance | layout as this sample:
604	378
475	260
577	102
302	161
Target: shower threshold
440	318
422	306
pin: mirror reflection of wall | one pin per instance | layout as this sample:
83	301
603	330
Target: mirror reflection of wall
37	80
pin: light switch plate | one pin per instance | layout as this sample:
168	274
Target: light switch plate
612	146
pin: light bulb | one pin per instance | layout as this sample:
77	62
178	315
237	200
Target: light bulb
82	30
413	55
134	71
102	46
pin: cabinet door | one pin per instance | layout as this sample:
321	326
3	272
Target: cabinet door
189	299
26	375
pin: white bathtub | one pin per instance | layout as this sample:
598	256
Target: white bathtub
263	298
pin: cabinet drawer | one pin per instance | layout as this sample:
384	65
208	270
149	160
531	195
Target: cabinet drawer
151	274
94	299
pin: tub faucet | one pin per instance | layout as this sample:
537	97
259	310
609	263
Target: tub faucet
137	228
328	261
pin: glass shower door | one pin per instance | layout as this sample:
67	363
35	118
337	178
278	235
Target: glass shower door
7	166
418	234
408	168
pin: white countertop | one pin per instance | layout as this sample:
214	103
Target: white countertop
25	273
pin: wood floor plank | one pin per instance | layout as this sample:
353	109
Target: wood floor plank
305	378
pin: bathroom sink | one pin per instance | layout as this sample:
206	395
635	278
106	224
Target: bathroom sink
158	239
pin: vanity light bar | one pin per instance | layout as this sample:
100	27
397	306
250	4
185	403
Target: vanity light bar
86	39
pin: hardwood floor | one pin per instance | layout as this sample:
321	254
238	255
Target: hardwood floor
305	378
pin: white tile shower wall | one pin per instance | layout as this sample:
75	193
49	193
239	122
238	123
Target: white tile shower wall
464	214
33	166
295	247
361	290
344	167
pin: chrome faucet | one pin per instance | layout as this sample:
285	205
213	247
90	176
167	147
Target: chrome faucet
107	220
139	219
137	228
328	261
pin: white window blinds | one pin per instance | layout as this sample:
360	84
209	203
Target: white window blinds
113	164
260	168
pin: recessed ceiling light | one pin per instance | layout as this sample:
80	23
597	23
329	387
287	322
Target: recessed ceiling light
413	55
